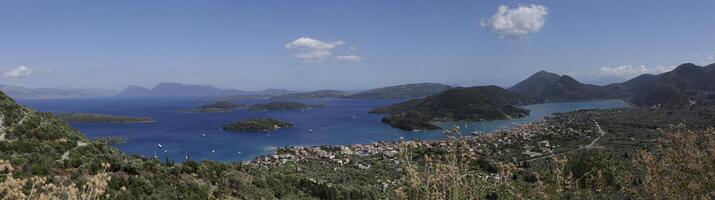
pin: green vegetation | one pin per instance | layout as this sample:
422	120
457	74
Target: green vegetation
563	157
257	125
473	103
410	120
220	106
283	105
102	118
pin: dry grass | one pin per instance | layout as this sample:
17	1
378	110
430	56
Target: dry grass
11	188
683	167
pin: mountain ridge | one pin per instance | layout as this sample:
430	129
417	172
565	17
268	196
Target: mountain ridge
685	85
19	92
405	91
174	89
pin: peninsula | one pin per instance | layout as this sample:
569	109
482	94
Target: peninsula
78	117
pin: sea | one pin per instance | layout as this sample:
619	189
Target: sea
338	122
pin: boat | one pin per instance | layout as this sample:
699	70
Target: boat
203	135
213	151
310	130
159	145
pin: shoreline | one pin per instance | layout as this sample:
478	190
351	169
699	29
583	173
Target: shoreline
390	149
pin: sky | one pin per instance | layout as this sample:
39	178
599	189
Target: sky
348	45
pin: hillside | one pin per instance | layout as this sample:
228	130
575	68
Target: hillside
402	91
686	84
320	94
552	87
76	117
34	138
473	103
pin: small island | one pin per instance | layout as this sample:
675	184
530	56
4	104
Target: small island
102	118
283	105
257	125
220	106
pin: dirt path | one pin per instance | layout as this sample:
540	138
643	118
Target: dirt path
591	145
2	127
24	117
588	146
66	155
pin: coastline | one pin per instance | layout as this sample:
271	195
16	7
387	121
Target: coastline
392	149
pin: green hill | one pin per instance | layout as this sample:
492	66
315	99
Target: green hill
552	87
473	103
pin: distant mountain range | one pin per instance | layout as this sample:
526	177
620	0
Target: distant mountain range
415	90
191	90
686	84
18	92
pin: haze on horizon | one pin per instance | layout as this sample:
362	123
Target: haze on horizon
347	45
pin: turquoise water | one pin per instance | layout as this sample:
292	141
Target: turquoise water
341	121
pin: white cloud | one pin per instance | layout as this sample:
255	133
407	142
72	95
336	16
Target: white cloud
317	51
312	50
19	72
517	23
628	71
350	58
312	44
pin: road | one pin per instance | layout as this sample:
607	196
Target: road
588	146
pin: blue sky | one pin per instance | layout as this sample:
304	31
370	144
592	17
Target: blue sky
346	44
